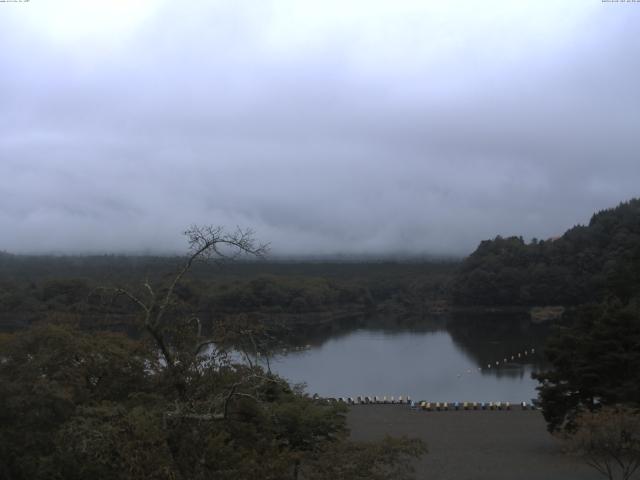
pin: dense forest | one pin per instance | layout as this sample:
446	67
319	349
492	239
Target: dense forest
587	263
172	401
42	288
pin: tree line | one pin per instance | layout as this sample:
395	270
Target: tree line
42	288
587	263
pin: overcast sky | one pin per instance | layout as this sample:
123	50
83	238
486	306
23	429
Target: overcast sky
365	126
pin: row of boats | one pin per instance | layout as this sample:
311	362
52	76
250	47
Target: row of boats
443	406
375	400
432	406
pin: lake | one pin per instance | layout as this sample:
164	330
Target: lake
447	361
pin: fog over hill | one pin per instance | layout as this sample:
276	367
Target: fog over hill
370	128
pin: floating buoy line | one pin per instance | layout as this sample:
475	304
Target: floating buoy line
508	360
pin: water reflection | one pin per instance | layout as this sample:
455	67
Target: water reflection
444	359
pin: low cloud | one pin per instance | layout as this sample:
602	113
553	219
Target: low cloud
339	133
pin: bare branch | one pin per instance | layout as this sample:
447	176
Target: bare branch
203	344
133	298
609	438
149	289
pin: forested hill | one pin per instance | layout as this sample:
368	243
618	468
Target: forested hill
588	263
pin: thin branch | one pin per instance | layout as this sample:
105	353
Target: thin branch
594	463
632	468
133	298
148	287
201	345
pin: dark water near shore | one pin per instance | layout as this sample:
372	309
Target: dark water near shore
446	360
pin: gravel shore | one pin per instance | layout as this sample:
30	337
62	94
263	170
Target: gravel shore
474	445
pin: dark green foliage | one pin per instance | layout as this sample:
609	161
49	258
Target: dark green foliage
75	405
595	362
296	295
69	289
585	264
50	372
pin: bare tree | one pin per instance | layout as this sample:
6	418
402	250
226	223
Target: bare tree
609	441
205	243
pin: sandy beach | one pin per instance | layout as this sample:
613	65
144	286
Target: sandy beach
474	445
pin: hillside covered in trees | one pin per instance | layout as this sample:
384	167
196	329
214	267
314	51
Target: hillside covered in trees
594	349
587	263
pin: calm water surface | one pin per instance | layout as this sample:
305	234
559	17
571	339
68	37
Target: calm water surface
438	365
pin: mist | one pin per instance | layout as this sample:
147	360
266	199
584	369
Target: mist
375	128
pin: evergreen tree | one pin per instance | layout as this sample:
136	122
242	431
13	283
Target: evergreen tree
594	362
